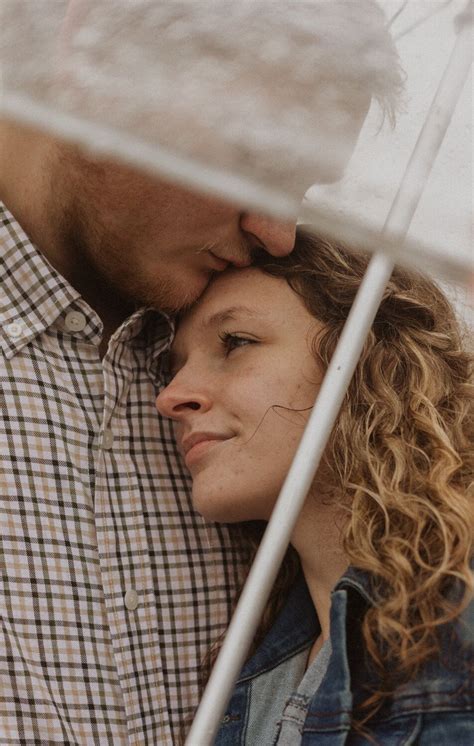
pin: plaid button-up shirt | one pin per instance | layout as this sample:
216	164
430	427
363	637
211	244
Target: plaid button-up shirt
111	586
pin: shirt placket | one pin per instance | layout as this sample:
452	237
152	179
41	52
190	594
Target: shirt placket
124	559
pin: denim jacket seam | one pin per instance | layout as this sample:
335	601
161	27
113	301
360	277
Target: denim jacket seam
415	707
300	707
292	718
452	693
389	717
419	709
245	719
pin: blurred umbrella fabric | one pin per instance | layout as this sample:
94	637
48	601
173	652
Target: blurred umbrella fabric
252	100
230	86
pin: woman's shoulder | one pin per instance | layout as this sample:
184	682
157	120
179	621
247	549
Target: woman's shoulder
445	680
436	707
433	706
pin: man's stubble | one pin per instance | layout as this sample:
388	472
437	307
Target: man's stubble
100	261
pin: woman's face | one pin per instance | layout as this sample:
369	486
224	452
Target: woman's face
244	383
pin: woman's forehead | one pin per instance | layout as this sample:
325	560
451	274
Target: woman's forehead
241	292
249	297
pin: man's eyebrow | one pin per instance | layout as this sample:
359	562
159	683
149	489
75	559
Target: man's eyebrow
229	314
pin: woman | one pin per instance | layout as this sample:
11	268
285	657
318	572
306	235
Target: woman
370	644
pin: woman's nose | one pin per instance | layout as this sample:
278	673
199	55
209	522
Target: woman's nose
177	401
275	236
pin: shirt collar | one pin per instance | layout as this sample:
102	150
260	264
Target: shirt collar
35	295
154	334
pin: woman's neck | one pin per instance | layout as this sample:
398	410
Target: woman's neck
317	539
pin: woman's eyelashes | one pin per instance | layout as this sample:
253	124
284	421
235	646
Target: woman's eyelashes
233	340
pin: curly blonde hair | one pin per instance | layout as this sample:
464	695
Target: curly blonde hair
400	452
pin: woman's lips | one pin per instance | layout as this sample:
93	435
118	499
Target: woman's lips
195	451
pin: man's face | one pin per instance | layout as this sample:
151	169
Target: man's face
151	242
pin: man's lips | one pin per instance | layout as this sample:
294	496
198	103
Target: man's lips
224	262
196	444
219	263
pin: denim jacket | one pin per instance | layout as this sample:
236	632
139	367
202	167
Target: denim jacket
435	709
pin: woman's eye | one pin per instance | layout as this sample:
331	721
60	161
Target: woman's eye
233	341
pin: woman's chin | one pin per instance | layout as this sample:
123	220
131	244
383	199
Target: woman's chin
216	509
232	508
219	514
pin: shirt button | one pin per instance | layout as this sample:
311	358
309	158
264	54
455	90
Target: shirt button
107	439
16	329
75	321
131	599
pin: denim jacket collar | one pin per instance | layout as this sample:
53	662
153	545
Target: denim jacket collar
361	582
437	702
297	625
294	629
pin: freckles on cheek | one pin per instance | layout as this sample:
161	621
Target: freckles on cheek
304	394
263	389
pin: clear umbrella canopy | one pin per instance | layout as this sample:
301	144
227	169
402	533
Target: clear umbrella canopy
254	100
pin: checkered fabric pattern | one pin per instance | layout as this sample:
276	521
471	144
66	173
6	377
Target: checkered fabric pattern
111	586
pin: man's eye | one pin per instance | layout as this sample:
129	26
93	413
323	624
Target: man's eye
233	341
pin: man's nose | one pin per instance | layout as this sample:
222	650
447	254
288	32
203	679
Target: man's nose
275	236
176	401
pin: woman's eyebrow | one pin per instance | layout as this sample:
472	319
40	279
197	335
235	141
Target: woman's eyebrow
229	314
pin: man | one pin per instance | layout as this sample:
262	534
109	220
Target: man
113	588
120	237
